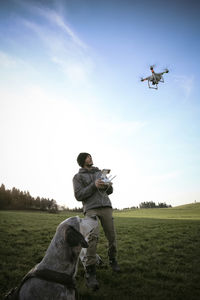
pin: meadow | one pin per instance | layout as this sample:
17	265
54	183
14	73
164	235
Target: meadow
158	252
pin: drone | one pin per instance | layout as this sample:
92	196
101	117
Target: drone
155	78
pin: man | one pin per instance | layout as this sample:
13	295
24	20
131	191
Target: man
93	192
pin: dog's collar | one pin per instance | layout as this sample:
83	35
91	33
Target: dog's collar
54	276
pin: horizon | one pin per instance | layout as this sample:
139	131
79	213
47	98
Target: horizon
70	82
65	208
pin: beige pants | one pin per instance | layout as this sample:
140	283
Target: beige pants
106	219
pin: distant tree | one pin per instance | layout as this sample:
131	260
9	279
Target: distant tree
52	206
36	203
163	205
149	204
5	197
44	204
152	204
28	200
77	209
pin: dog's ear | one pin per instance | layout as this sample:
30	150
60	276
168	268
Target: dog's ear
75	238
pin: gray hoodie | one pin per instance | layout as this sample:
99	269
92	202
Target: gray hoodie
86	191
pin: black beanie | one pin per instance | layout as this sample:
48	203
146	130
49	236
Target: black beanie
81	158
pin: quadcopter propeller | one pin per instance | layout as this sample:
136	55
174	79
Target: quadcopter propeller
152	67
167	68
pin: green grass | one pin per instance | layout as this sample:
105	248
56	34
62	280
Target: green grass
158	251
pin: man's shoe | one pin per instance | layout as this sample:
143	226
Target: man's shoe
114	265
90	276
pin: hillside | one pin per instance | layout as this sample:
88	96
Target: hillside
188	211
188	206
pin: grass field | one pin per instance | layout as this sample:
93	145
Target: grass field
158	251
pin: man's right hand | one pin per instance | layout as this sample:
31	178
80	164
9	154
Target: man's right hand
100	184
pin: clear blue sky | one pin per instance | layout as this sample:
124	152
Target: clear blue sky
70	82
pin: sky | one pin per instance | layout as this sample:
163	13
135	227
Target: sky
70	82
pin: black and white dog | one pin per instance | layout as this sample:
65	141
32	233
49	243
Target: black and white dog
54	277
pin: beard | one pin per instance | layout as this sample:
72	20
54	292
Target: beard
89	165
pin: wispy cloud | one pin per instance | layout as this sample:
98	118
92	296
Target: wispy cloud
186	83
53	17
7	61
56	19
63	45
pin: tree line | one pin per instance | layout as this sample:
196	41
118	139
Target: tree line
16	199
147	204
152	204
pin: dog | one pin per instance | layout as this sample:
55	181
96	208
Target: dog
54	277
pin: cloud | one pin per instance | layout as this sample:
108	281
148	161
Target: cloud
186	83
63	46
56	19
7	61
75	70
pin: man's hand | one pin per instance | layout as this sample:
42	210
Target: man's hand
100	184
